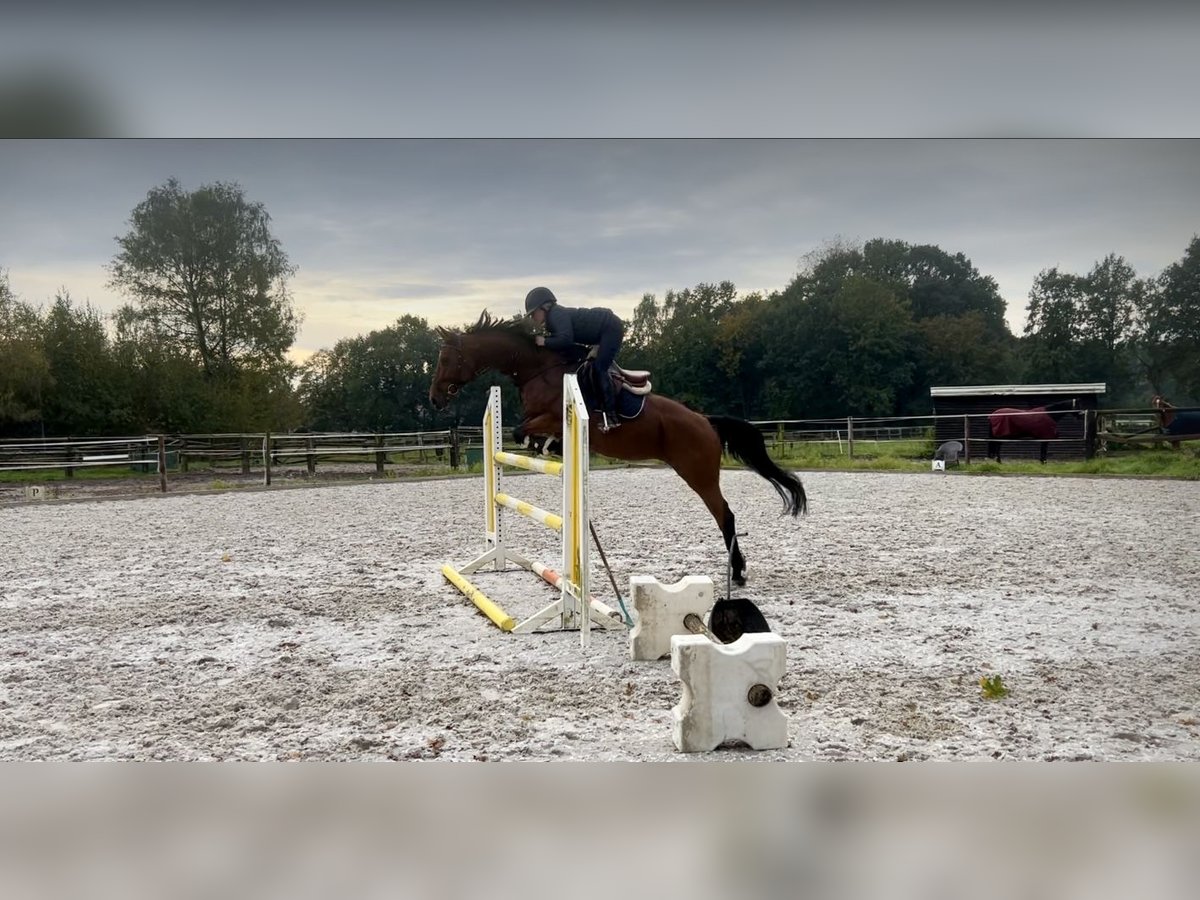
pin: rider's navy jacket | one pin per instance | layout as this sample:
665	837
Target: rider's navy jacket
569	325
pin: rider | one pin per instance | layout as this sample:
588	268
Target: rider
569	326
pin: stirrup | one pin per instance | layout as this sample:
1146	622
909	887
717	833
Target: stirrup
607	425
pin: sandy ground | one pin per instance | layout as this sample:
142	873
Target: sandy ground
314	623
199	478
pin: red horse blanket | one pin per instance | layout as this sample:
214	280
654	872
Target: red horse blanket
1008	422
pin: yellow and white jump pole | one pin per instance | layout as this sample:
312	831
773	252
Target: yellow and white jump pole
575	608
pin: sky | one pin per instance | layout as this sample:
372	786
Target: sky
445	228
622	68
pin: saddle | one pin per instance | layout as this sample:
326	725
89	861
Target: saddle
635	381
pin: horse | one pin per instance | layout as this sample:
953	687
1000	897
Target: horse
1174	422
1166	415
689	442
1034	424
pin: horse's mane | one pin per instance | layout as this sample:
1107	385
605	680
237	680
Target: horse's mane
518	327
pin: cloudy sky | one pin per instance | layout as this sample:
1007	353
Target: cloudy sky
444	228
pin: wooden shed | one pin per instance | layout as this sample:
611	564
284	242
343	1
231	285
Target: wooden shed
968	407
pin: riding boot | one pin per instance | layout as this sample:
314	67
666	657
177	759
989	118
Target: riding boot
611	419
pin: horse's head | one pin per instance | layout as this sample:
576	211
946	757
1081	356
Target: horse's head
456	366
1166	409
506	345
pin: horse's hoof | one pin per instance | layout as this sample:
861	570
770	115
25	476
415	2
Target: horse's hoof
740	580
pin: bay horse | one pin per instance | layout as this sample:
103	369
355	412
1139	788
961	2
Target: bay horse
1033	424
1174	422
666	430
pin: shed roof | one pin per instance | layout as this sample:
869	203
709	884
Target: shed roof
972	390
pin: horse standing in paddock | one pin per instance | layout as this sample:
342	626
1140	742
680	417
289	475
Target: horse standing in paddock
666	430
1033	424
1173	422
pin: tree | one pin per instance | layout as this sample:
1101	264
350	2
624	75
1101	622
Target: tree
24	369
165	387
1170	319
1053	328
679	341
1084	327
740	340
959	349
646	328
88	396
209	276
827	354
940	293
937	283
377	382
1112	295
1112	292
939	321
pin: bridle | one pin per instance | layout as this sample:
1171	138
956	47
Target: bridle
454	387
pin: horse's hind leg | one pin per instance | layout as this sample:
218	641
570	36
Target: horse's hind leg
691	447
715	501
734	551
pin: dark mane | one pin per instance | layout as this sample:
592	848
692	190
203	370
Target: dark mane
517	327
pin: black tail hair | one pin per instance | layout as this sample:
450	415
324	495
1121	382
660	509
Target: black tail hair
745	443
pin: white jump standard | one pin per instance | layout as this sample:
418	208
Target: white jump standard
572	523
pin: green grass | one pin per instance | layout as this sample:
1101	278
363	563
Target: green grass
99	473
1148	464
916	456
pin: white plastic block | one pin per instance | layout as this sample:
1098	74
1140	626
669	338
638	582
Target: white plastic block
729	692
661	609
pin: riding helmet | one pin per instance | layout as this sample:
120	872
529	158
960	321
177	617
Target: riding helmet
538	297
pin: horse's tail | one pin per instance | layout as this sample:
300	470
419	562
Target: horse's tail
745	443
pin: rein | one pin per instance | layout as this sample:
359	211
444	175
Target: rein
453	389
541	373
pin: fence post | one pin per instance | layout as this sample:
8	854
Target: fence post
311	446
966	440
379	456
454	448
267	458
850	436
1089	433
162	463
